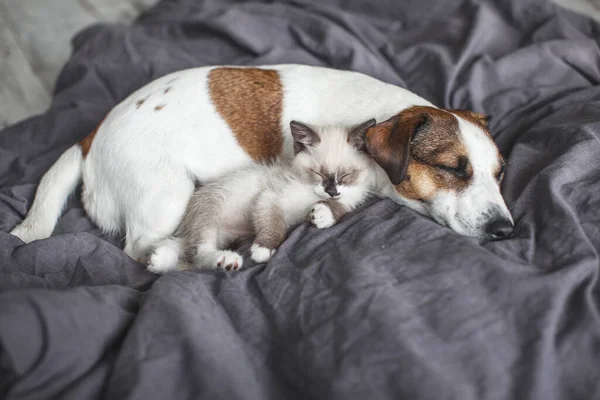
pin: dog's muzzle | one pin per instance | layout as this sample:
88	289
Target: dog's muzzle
499	229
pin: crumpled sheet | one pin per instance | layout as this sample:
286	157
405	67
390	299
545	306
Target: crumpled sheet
385	305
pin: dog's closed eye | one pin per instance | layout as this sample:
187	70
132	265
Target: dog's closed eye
459	172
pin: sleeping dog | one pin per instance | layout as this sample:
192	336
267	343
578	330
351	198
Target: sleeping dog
140	165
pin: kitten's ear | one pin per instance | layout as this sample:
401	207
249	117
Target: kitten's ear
356	137
389	142
303	136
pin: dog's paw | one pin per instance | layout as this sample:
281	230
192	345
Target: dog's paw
28	232
229	260
321	216
162	260
260	254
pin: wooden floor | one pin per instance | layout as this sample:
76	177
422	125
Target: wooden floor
35	42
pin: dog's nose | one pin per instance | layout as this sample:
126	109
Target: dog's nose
500	229
332	191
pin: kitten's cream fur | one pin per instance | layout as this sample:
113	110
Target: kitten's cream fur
328	176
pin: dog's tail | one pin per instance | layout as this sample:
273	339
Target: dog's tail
52	193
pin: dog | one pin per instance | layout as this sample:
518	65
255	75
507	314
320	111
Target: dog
140	166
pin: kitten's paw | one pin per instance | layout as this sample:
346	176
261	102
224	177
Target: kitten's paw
260	254
229	260
163	259
321	216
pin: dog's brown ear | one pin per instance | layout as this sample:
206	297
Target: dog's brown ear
356	137
482	118
303	136
472	116
389	142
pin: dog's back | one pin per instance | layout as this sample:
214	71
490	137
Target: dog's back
140	165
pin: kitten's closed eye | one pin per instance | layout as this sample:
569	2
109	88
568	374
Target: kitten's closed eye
317	174
348	178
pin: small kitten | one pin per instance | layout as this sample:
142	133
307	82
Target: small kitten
329	175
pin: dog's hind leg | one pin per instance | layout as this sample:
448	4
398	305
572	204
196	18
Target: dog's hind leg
165	256
156	216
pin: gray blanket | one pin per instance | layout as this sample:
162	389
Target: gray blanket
386	305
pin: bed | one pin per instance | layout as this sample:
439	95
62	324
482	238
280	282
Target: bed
385	305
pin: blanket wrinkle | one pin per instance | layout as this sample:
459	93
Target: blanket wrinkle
385	305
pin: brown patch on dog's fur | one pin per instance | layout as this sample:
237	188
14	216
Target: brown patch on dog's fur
473	117
480	120
167	90
389	141
419	148
438	146
439	143
159	107
86	142
250	100
139	103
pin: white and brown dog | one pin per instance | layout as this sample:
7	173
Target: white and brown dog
140	166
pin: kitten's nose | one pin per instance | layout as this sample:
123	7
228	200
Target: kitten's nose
332	191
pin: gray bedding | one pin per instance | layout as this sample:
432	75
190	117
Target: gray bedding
386	305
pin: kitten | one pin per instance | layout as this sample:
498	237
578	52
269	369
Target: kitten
329	175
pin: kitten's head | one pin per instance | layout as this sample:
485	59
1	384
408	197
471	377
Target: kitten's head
331	158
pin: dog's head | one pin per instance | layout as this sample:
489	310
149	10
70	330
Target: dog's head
445	164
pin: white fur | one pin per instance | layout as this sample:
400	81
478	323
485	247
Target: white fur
209	257
140	171
261	254
165	256
275	184
321	216
229	260
467	212
54	189
262	197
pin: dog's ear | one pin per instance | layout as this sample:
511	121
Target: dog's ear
389	142
482	118
472	116
356	137
303	136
